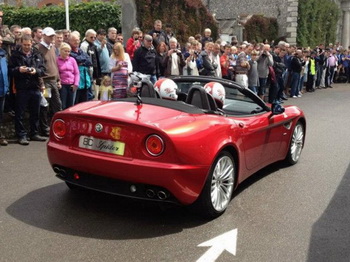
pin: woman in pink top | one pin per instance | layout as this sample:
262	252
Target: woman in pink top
69	75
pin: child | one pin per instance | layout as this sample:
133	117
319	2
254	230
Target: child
105	90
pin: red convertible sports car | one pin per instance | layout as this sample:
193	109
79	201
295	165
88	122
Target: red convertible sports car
193	151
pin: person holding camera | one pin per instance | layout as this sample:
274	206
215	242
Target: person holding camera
26	66
174	61
133	43
264	61
209	65
158	34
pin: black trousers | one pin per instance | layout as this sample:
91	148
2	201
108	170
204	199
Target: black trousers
27	99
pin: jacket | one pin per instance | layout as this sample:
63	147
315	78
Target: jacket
69	72
145	61
3	66
91	50
168	63
24	81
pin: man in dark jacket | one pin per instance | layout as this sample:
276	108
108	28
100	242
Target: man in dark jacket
279	68
26	66
158	34
145	59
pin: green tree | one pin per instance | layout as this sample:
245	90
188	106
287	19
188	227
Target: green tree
317	22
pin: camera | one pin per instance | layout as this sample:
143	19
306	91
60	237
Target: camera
30	69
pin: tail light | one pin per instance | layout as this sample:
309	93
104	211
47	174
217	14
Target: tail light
154	145
59	128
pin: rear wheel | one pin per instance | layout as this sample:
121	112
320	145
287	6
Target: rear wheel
218	189
296	144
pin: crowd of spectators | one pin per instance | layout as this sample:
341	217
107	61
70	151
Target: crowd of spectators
44	71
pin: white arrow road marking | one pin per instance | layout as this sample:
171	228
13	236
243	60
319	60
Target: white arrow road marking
226	241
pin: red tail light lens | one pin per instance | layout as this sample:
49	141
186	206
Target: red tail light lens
59	128
154	145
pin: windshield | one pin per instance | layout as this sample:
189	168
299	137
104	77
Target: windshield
236	102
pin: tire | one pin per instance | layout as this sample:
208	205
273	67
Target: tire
218	189
296	144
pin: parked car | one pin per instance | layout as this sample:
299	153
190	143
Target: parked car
192	152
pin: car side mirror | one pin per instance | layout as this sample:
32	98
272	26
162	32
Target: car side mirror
277	109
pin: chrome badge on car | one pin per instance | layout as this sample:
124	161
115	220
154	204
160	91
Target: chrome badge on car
98	127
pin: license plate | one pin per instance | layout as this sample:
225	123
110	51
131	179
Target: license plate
102	145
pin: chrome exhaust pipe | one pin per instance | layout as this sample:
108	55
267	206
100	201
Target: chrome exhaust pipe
60	171
150	193
162	195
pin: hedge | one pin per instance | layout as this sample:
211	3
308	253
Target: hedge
83	16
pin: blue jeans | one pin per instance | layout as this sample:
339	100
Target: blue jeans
30	99
67	96
280	86
294	91
2	105
301	83
262	86
153	79
254	89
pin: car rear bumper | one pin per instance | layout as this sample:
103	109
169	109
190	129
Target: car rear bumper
116	175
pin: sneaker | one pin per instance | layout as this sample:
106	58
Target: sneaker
38	138
294	96
299	95
3	142
23	141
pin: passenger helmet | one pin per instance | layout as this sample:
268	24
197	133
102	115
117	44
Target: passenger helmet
217	90
166	88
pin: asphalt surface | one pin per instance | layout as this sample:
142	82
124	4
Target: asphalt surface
298	213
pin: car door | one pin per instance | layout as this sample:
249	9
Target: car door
262	136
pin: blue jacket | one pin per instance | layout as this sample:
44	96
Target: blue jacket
4	84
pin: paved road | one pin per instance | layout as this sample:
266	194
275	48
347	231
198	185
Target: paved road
299	213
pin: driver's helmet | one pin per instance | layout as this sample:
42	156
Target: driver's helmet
217	90
166	88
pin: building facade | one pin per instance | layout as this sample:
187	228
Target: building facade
231	14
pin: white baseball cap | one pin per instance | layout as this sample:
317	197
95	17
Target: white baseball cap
49	31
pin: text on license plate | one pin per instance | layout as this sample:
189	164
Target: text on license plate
102	145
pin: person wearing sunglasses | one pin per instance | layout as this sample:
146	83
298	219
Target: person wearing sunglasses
89	47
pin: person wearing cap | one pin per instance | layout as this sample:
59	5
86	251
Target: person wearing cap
145	59
51	79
